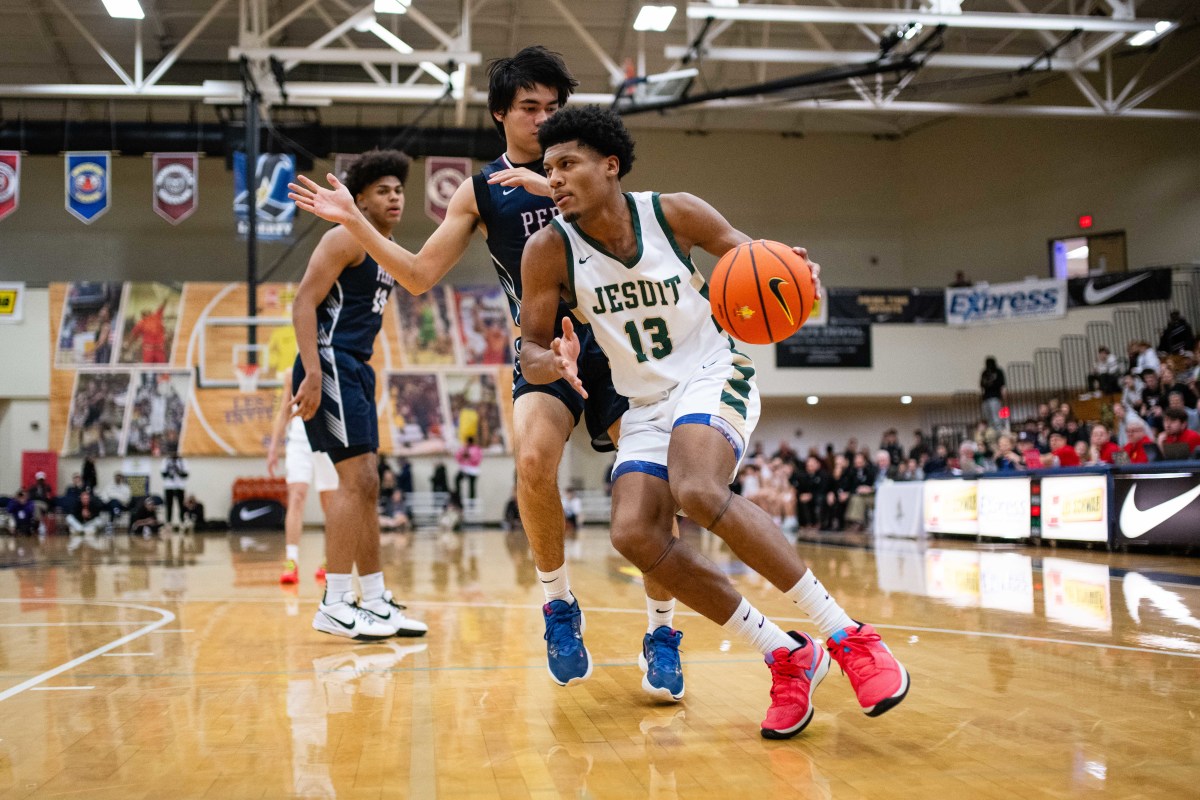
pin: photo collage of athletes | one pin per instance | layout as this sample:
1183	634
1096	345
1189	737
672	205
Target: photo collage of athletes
118	338
455	342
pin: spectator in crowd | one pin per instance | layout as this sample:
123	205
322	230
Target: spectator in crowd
404	476
1104	377
811	487
71	495
1152	400
1140	448
174	474
862	497
439	483
851	449
22	514
1123	415
395	513
1175	430
920	449
192	514
1076	433
1175	400
145	522
841	486
1131	391
1142	357
387	485
967	463
1062	452
891	443
961	280
985	439
939	461
995	391
117	496
788	454
1169	382
1027	450
42	496
451	518
88	473
469	457
84	514
1101	449
911	470
1007	459
1177	338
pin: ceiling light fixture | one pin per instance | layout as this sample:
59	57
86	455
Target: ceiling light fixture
813	399
1161	28
124	9
654	18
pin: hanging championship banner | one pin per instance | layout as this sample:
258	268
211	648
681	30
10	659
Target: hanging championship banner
10	181
87	176
442	177
275	211
886	306
176	191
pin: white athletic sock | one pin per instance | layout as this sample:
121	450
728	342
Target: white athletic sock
336	586
293	552
555	585
814	600
372	586
753	627
659	613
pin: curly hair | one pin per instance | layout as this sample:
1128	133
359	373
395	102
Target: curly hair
532	66
373	165
592	126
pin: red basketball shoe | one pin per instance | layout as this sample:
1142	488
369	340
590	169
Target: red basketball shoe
794	677
320	573
291	573
879	680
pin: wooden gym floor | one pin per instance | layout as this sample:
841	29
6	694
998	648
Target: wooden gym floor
180	668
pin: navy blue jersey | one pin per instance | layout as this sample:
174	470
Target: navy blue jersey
350	316
511	216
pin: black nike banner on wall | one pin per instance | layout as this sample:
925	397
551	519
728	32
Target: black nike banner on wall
887	306
1157	508
1119	287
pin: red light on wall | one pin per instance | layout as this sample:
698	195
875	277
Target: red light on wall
1085	221
1004	412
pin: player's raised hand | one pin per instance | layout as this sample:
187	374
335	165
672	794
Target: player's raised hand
813	267
527	179
566	356
334	204
308	396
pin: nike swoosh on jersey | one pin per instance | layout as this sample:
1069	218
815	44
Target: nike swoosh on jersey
1093	296
509	191
246	515
585	258
1137	522
773	284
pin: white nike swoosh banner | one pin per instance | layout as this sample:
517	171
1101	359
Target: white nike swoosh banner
1095	297
1136	522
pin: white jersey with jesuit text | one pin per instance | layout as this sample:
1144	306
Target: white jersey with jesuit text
650	315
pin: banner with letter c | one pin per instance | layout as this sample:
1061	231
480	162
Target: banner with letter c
10	181
176	190
443	176
984	304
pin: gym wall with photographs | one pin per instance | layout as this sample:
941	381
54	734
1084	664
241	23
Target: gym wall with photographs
146	368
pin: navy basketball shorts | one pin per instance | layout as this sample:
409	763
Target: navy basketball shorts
347	417
603	406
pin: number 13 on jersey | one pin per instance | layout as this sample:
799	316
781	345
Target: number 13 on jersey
656	328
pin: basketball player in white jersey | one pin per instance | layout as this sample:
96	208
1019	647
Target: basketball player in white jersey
622	263
303	468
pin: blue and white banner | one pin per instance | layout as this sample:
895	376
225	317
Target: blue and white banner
275	211
1005	302
87	179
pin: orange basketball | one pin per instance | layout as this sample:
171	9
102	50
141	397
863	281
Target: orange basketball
761	292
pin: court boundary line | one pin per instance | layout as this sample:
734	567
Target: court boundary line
165	618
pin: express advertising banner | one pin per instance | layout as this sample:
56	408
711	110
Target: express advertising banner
952	506
984	304
1003	505
887	306
1120	287
1160	508
1075	508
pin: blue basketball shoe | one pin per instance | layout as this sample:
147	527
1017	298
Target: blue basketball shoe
568	660
659	659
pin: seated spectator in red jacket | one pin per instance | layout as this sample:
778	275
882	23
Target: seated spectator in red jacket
1061	453
1102	448
1141	449
1175	430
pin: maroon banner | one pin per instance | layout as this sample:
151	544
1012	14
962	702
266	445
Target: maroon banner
10	181
176	190
442	177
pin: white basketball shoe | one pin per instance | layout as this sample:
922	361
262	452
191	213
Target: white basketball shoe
388	612
345	617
